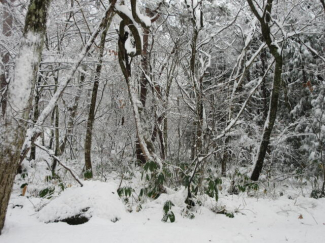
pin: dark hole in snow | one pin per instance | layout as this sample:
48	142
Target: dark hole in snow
77	219
114	220
17	206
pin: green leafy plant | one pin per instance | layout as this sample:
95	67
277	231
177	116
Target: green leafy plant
168	214
88	174
230	215
155	180
23	185
62	186
24	175
242	183
317	194
212	189
47	192
125	193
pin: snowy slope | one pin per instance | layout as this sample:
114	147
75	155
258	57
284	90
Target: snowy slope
258	220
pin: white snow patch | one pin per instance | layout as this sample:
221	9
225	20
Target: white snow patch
101	199
20	89
257	220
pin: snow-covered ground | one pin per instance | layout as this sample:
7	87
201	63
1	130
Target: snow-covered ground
256	220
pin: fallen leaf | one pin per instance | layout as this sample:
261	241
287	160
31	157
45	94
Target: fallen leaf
24	190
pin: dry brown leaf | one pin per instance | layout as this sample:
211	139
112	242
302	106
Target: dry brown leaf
24	190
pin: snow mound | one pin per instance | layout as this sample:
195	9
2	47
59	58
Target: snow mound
94	199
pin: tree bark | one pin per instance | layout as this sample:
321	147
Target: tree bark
143	83
20	94
5	55
92	108
56	134
35	116
72	115
276	53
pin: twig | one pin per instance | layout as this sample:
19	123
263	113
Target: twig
51	153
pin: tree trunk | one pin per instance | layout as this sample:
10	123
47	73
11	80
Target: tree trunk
263	86
276	53
72	115
57	139
5	55
35	116
56	134
269	123
20	94
91	116
143	85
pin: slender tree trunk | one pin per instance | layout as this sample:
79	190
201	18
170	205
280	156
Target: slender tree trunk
57	138
263	86
5	55
91	116
269	123
20	94
35	116
225	157
55	134
197	84
52	130
72	115
277	79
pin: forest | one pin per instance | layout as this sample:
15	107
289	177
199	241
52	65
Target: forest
162	121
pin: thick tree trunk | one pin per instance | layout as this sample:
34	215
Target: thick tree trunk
143	84
197	81
91	116
19	97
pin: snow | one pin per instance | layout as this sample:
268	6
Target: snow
93	195
145	19
129	47
28	56
125	10
299	220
